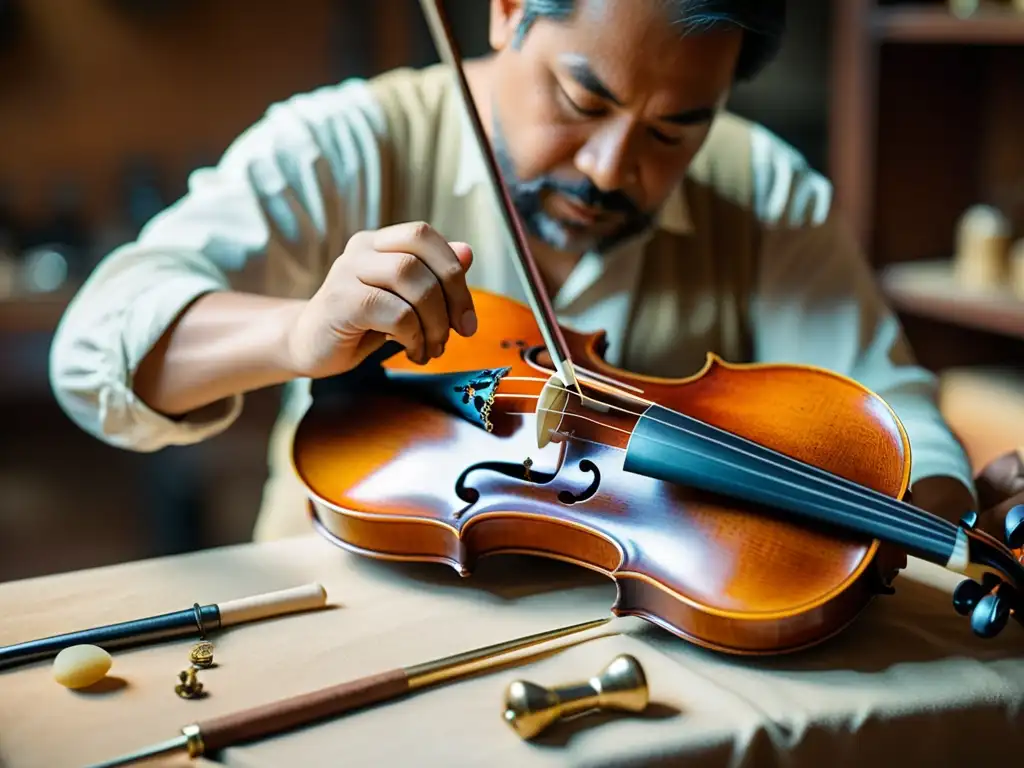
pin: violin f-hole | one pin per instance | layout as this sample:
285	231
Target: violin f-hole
526	474
522	472
568	497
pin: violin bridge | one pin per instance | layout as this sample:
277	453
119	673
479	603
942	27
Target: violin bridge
550	410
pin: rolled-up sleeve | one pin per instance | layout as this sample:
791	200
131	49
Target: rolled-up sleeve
817	303
277	209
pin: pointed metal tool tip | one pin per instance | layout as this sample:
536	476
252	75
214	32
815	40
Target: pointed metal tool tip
177	744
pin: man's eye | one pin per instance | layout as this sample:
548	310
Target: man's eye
567	99
664	139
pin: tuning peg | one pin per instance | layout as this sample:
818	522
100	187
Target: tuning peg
531	708
969	592
990	614
1013	527
966	596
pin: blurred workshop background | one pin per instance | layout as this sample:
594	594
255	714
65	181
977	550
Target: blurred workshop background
916	112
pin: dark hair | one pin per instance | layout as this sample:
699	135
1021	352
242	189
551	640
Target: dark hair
763	23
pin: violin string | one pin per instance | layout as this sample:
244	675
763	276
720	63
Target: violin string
574	436
919	519
591	420
866	494
594	383
822	474
924	527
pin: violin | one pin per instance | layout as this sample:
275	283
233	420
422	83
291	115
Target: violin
749	509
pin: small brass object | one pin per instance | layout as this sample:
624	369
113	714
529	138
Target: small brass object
189	687
201	654
531	708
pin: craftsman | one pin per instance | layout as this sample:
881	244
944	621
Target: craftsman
362	210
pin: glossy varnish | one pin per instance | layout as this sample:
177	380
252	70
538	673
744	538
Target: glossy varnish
383	475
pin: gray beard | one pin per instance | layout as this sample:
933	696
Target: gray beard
527	197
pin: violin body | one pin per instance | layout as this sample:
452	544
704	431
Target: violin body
462	458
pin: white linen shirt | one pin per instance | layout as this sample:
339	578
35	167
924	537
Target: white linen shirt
293	188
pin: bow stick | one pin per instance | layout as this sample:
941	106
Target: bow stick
544	313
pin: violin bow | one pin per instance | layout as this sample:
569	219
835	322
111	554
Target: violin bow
529	275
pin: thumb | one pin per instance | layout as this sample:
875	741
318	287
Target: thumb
463	253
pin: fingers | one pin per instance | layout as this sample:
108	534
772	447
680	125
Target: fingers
388	314
1000	479
464	254
448	267
410	280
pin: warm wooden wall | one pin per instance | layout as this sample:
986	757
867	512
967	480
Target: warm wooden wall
83	87
86	84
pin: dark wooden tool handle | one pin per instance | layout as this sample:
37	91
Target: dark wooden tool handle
279	716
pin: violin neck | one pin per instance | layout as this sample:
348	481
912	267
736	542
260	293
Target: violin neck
677	448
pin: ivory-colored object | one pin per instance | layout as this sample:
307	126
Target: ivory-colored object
80	666
304	598
1017	264
983	245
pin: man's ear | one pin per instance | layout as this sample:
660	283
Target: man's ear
506	16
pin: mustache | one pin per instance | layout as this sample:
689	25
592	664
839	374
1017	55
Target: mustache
587	194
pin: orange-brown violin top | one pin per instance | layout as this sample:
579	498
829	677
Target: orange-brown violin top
749	508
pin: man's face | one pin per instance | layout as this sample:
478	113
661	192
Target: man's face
596	118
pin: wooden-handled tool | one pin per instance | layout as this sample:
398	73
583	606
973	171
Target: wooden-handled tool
217	733
531	708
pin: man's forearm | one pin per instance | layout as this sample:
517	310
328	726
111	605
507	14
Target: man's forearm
223	344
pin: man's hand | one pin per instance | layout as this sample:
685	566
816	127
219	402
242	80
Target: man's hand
404	282
943	496
999	486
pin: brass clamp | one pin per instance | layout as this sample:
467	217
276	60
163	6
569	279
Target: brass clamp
532	708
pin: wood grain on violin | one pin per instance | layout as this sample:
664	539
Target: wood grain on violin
750	508
453	472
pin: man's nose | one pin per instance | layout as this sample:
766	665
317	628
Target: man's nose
606	157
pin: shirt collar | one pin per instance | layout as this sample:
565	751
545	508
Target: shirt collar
674	216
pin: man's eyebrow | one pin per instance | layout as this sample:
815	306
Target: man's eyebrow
691	116
585	76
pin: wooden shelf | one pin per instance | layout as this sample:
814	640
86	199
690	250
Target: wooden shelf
929	289
935	24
